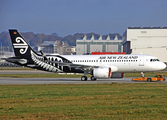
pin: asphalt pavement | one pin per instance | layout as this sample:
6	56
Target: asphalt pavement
26	81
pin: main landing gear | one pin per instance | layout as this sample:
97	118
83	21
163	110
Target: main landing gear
84	78
93	78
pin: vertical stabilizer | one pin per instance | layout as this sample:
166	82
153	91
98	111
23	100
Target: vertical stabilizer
21	47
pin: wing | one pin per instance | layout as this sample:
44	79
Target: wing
85	68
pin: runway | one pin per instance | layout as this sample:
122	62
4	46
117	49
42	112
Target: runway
28	81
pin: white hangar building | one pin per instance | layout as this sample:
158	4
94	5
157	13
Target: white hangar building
146	40
98	43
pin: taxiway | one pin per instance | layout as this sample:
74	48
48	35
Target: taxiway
27	81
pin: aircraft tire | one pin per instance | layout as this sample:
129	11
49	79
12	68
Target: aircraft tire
93	78
84	78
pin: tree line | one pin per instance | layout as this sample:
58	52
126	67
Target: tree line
37	39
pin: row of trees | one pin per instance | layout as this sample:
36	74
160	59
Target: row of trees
37	39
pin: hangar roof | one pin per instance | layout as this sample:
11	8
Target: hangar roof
48	43
147	27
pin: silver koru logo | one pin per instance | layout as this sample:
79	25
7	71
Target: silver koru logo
20	43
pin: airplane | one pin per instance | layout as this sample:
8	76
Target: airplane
99	66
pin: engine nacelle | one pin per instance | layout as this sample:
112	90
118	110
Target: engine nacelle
102	72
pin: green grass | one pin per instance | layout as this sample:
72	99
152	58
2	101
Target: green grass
41	75
15	68
98	101
147	74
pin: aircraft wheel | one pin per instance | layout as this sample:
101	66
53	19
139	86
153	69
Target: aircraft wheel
84	78
93	78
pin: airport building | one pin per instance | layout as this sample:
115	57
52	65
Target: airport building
98	43
56	47
49	46
146	40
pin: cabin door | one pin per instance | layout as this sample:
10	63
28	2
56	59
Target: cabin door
141	61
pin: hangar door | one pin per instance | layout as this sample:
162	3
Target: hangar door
141	61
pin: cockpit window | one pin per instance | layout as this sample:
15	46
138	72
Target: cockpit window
153	60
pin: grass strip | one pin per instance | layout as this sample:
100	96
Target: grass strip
15	68
98	101
41	75
147	74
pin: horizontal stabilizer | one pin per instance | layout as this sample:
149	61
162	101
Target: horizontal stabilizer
15	60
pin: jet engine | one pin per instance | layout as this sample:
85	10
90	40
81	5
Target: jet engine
101	72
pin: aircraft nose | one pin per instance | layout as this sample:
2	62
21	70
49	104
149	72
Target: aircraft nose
163	65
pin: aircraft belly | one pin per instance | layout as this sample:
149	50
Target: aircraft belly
127	67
